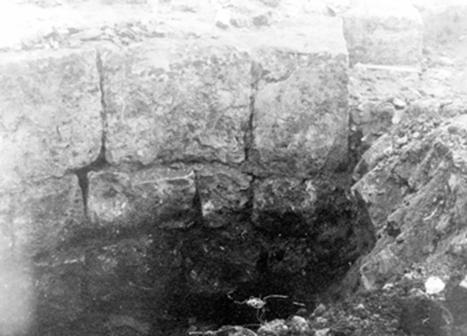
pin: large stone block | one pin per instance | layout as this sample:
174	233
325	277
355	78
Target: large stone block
224	194
50	114
40	216
171	100
384	32
160	197
300	112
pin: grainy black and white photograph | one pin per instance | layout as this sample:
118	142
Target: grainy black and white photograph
233	168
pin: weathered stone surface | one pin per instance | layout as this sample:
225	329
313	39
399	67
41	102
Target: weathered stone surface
224	193
50	120
300	117
416	199
387	32
276	200
159	197
40	216
170	100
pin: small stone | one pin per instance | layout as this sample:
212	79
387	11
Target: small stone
360	306
319	310
223	19
323	332
260	20
388	286
273	328
321	320
396	118
271	3
434	285
89	34
299	325
399	103
443	223
221	25
402	140
463	283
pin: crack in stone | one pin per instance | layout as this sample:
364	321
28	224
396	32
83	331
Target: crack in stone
104	121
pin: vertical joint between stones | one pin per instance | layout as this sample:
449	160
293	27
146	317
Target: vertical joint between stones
100	71
256	72
83	183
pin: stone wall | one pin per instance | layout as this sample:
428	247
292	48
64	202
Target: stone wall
112	151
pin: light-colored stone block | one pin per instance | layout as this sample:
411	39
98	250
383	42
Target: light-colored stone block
49	114
300	121
170	100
